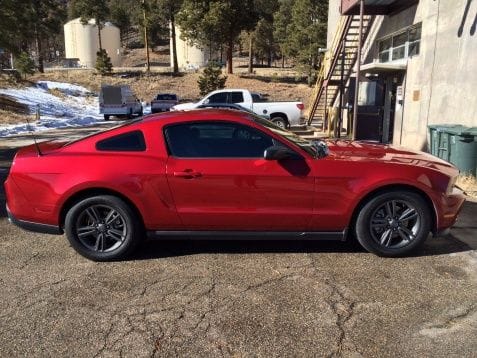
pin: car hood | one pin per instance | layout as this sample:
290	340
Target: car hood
184	106
366	151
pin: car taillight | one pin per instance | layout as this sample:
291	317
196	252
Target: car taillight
300	106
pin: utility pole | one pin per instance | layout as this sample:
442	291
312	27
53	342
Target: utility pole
146	43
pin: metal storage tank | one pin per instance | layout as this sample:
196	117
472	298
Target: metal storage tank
81	42
188	56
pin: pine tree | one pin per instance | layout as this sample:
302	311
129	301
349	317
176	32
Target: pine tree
216	22
103	63
91	9
25	64
169	9
211	79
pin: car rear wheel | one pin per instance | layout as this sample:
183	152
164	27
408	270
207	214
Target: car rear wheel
393	224
280	122
103	228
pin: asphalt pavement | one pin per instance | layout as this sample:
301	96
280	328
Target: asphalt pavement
238	299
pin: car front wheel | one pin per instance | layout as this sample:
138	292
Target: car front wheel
393	224
103	228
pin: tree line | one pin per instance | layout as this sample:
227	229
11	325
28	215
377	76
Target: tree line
265	29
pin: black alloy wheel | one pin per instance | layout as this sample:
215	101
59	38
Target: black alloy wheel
394	223
103	228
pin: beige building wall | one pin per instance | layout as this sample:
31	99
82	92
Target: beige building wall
441	82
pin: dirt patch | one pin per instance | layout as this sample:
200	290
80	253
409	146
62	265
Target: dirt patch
468	183
277	87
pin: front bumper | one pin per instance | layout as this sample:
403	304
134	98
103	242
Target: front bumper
450	207
34	227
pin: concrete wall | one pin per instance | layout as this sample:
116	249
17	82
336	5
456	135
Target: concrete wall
441	82
333	19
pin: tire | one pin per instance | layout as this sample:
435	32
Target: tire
106	117
94	219
141	112
393	224
280	121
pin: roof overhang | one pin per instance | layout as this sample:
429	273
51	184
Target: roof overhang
375	7
378	67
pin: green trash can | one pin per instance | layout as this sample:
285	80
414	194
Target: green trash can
473	131
457	145
439	140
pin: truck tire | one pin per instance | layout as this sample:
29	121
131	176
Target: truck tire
280	122
106	117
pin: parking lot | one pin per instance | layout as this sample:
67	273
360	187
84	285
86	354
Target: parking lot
236	298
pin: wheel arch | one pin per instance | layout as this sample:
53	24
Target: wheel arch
280	114
395	187
86	193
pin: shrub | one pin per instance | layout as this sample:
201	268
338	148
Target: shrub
211	79
103	63
25	64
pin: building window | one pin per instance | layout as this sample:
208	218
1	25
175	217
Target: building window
401	45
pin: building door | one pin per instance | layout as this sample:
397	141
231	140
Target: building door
377	106
371	109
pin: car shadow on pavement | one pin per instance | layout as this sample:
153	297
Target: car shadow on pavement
155	249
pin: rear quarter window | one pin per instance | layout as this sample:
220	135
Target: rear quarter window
126	142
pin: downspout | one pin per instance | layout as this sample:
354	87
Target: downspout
358	69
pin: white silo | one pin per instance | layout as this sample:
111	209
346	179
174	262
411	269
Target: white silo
81	42
189	56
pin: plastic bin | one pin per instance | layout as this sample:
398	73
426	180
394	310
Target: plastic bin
439	137
456	144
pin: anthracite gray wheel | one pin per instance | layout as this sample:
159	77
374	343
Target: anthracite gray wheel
102	228
393	223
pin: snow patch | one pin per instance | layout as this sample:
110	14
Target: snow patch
77	107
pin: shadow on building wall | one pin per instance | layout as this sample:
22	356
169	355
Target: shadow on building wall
473	27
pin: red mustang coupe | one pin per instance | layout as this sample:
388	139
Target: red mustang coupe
227	174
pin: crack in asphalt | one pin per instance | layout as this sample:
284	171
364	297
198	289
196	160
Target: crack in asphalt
453	321
28	260
342	307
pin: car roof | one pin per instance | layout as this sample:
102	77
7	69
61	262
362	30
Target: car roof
199	114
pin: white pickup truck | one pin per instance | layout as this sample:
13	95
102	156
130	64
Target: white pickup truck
284	114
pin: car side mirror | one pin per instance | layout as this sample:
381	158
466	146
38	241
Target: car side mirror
278	152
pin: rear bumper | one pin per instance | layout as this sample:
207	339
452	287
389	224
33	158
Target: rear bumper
32	226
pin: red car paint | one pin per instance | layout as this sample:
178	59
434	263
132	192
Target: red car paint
227	194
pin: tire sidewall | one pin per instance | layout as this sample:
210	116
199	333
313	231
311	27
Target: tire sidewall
282	120
131	221
362	229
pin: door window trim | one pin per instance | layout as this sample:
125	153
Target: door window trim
166	140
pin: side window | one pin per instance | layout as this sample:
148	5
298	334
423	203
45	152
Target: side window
216	140
217	98
126	142
237	97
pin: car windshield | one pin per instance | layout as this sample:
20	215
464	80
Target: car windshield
311	147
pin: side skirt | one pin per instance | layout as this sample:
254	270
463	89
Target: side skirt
247	235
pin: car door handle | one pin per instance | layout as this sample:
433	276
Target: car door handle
188	174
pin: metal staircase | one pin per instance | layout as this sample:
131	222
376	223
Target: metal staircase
336	68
